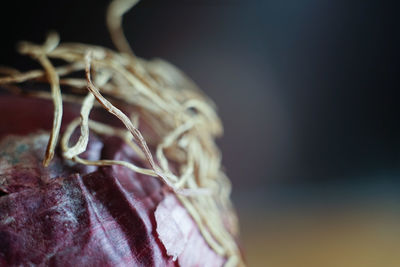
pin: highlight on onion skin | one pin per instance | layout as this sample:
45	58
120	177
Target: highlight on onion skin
110	160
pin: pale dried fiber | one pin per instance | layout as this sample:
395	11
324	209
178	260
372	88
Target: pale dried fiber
183	119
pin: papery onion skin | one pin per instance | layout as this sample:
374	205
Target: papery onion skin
72	215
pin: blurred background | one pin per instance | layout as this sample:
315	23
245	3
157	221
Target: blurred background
308	93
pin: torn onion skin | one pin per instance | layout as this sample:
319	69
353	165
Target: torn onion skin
73	215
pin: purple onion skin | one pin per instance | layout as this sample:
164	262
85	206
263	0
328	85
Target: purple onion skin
71	215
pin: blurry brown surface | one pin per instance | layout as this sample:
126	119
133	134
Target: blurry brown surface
340	239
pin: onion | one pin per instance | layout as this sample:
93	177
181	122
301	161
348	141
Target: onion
120	168
69	215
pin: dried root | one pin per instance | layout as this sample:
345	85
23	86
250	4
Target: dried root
183	119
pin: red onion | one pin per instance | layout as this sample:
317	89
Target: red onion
151	193
69	215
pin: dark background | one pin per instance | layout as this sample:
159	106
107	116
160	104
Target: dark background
307	90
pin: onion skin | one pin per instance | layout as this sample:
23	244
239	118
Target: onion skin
73	215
